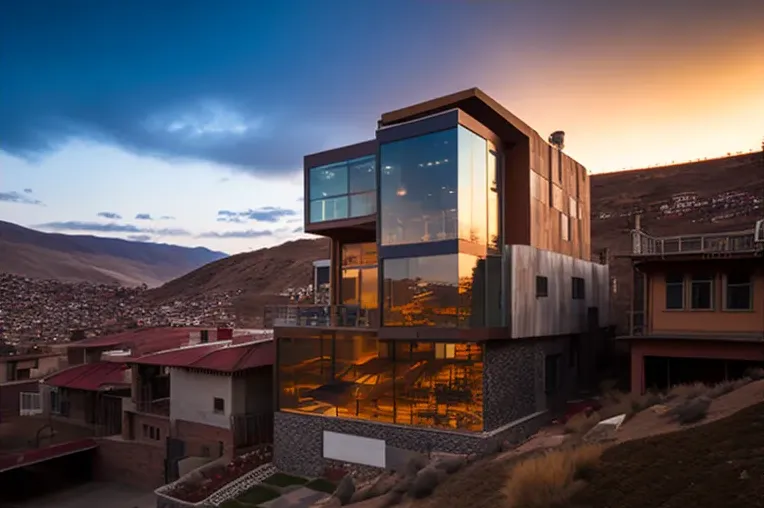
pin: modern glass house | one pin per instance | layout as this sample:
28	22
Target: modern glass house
462	297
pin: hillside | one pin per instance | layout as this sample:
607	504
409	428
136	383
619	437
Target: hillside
254	279
75	258
722	194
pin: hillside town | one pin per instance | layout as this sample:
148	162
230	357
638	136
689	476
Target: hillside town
49	311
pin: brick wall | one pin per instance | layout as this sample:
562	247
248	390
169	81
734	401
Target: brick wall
160	424
130	462
197	436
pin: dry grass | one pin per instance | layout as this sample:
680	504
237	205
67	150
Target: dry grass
551	478
582	423
688	391
616	403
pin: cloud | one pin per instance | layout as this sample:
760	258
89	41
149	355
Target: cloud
166	217
16	197
238	234
298	230
110	215
28	190
235	220
263	214
96	227
139	238
143	216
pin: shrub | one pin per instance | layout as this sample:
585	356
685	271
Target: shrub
582	423
425	482
692	411
721	389
284	480
321	485
549	479
755	374
688	391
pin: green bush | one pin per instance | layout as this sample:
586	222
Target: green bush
284	480
322	485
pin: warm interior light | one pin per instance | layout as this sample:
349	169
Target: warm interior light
401	191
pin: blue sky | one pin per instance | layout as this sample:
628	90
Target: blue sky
186	121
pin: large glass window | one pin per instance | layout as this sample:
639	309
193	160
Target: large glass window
674	291
343	190
359	275
494	211
473	187
438	385
738	292
702	292
418	189
421	291
472	291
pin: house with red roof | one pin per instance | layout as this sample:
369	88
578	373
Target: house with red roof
20	374
202	401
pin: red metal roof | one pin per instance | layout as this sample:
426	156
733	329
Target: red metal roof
141	340
27	458
90	376
217	357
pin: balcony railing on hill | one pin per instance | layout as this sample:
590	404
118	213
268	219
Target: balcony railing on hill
716	243
341	316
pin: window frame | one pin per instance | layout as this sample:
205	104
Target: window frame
683	283
711	281
725	296
348	194
542	286
215	409
578	292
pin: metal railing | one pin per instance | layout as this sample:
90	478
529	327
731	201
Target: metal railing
159	407
715	243
341	316
251	429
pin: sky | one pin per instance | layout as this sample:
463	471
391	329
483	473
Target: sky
186	122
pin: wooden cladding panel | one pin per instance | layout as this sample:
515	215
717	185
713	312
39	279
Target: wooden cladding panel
572	190
557	313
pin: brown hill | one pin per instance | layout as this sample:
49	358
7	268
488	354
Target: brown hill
75	258
255	279
719	195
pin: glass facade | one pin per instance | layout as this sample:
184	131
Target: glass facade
359	275
418	185
473	188
343	190
446	291
431	384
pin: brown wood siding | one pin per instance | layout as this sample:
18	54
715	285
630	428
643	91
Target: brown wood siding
565	185
516	195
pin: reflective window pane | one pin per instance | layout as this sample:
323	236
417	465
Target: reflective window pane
328	181
418	189
472	291
421	291
473	187
362	174
437	385
494	240
363	204
329	209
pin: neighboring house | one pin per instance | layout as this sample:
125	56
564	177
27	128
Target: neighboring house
206	400
464	307
20	374
697	308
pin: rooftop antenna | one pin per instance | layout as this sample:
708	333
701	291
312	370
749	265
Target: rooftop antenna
557	138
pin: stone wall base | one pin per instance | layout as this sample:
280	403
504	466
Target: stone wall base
298	439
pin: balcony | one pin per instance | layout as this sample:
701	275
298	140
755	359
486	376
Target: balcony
159	407
739	242
320	316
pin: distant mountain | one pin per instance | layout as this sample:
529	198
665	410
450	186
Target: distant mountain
254	279
78	258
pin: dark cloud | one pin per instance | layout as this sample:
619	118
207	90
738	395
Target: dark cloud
111	227
143	216
139	238
16	197
263	214
110	215
28	190
238	234
191	86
